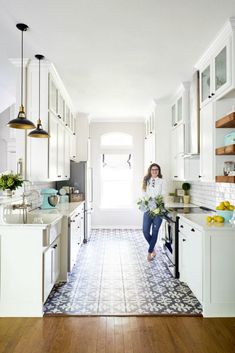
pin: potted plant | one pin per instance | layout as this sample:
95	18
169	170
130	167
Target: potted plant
9	182
186	188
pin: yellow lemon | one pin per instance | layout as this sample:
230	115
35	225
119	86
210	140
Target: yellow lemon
209	219
231	208
220	219
221	204
226	203
220	207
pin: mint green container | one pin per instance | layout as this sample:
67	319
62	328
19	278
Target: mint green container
226	214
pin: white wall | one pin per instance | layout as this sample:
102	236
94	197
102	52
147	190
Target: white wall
116	218
210	194
163	142
7	141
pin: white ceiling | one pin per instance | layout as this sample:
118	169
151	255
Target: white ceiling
114	56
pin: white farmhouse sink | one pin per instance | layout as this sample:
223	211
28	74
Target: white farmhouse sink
50	224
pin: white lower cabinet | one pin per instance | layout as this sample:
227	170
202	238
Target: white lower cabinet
206	263
51	267
190	244
76	236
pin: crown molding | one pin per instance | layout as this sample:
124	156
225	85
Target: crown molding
17	62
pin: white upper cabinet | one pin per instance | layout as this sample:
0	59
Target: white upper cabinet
48	159
180	105
217	72
207	131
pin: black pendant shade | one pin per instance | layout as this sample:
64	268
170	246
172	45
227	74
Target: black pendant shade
21	122
39	132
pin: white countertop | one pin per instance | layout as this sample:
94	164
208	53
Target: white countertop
199	221
65	209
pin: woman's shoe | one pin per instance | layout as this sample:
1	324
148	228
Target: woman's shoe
153	253
149	257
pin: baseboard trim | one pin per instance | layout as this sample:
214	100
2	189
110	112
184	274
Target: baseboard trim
116	227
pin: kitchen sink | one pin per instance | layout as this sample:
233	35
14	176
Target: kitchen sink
50	224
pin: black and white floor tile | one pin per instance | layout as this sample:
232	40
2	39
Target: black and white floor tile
113	277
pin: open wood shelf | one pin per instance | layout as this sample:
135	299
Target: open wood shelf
226	121
225	179
225	150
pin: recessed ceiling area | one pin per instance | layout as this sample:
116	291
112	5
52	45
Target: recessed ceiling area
114	56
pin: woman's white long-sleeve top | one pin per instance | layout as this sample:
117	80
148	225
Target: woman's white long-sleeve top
155	187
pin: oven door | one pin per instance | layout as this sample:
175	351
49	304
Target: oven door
170	246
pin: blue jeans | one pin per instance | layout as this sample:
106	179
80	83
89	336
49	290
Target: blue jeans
147	223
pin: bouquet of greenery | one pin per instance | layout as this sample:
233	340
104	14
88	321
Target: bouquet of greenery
153	205
9	180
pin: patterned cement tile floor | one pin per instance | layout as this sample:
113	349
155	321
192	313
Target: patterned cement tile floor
113	277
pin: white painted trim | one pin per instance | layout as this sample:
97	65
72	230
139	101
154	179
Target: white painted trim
227	30
117	120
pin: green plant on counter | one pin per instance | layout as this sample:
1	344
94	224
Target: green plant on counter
186	188
9	180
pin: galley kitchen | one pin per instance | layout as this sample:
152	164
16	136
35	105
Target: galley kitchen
71	228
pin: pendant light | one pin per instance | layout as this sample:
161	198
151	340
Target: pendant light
39	132
21	122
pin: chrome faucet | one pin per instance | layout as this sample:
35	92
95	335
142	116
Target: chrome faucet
22	206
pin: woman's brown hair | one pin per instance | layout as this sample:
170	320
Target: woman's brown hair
148	175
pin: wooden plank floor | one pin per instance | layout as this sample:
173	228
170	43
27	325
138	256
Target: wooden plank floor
117	335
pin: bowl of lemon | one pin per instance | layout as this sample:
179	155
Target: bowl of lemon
225	210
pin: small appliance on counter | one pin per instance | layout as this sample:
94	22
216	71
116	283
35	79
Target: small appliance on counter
63	197
50	198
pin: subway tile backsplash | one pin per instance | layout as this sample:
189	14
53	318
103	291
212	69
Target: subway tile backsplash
210	194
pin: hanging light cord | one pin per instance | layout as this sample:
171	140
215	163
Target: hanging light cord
39	89
22	68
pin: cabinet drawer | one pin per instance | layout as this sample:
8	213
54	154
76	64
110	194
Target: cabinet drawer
187	229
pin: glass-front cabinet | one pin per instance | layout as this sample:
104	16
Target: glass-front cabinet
173	116
205	83
221	69
179	110
180	105
216	74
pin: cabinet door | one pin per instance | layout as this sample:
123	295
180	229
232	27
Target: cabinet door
194	262
72	150
66	154
183	253
60	152
205	84
67	116
222	69
61	114
207	143
47	272
173	116
53	143
52	96
82	225
55	260
179	110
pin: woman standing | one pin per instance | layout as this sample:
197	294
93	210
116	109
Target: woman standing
153	187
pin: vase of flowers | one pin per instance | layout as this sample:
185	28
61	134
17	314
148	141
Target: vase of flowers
153	205
10	182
